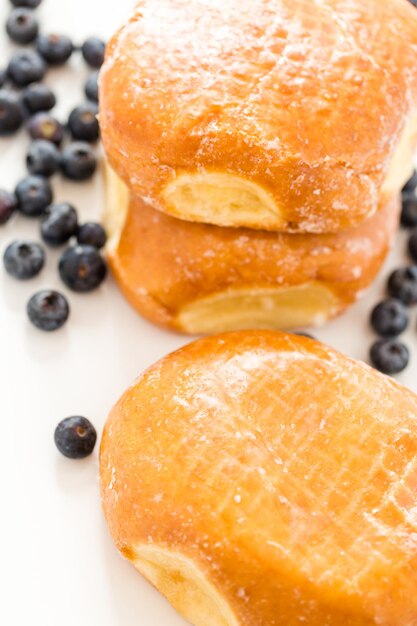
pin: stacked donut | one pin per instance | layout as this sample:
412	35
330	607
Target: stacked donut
256	151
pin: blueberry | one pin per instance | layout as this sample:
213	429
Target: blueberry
48	310
389	356
402	284
83	123
8	204
82	268
26	67
3	77
389	318
38	97
413	2
409	211
91	87
33	194
11	112
42	158
22	26
32	4
75	437
93	50
411	184
412	245
55	49
92	234
23	259
78	161
44	126
60	224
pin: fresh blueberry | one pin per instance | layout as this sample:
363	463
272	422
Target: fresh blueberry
75	437
389	318
409	211
402	284
55	49
11	112
3	77
44	126
389	356
83	123
92	234
48	310
413	2
22	26
60	224
42	158
93	50
26	67
78	161
91	87
33	194
82	268
31	4
8	204
24	259
38	97
411	184
412	245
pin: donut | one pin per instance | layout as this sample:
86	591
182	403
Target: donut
198	278
262	479
283	115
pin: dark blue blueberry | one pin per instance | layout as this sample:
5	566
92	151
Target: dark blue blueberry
92	234
411	183
93	50
48	310
22	26
412	245
11	112
38	97
82	268
60	224
390	318
78	161
409	211
75	437
55	49
91	87
390	356
31	4
402	284
44	126
3	77
413	2
42	158
26	67
33	194
24	259
8	205
83	123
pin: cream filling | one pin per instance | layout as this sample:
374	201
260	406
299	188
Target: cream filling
185	586
277	308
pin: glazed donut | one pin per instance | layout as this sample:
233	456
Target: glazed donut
263	479
198	278
287	115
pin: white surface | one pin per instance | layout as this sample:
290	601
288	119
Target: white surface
59	564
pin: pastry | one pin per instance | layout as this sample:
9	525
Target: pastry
263	479
199	278
286	115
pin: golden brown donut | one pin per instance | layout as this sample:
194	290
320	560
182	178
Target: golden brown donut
263	479
198	278
289	115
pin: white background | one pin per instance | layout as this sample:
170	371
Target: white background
58	563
